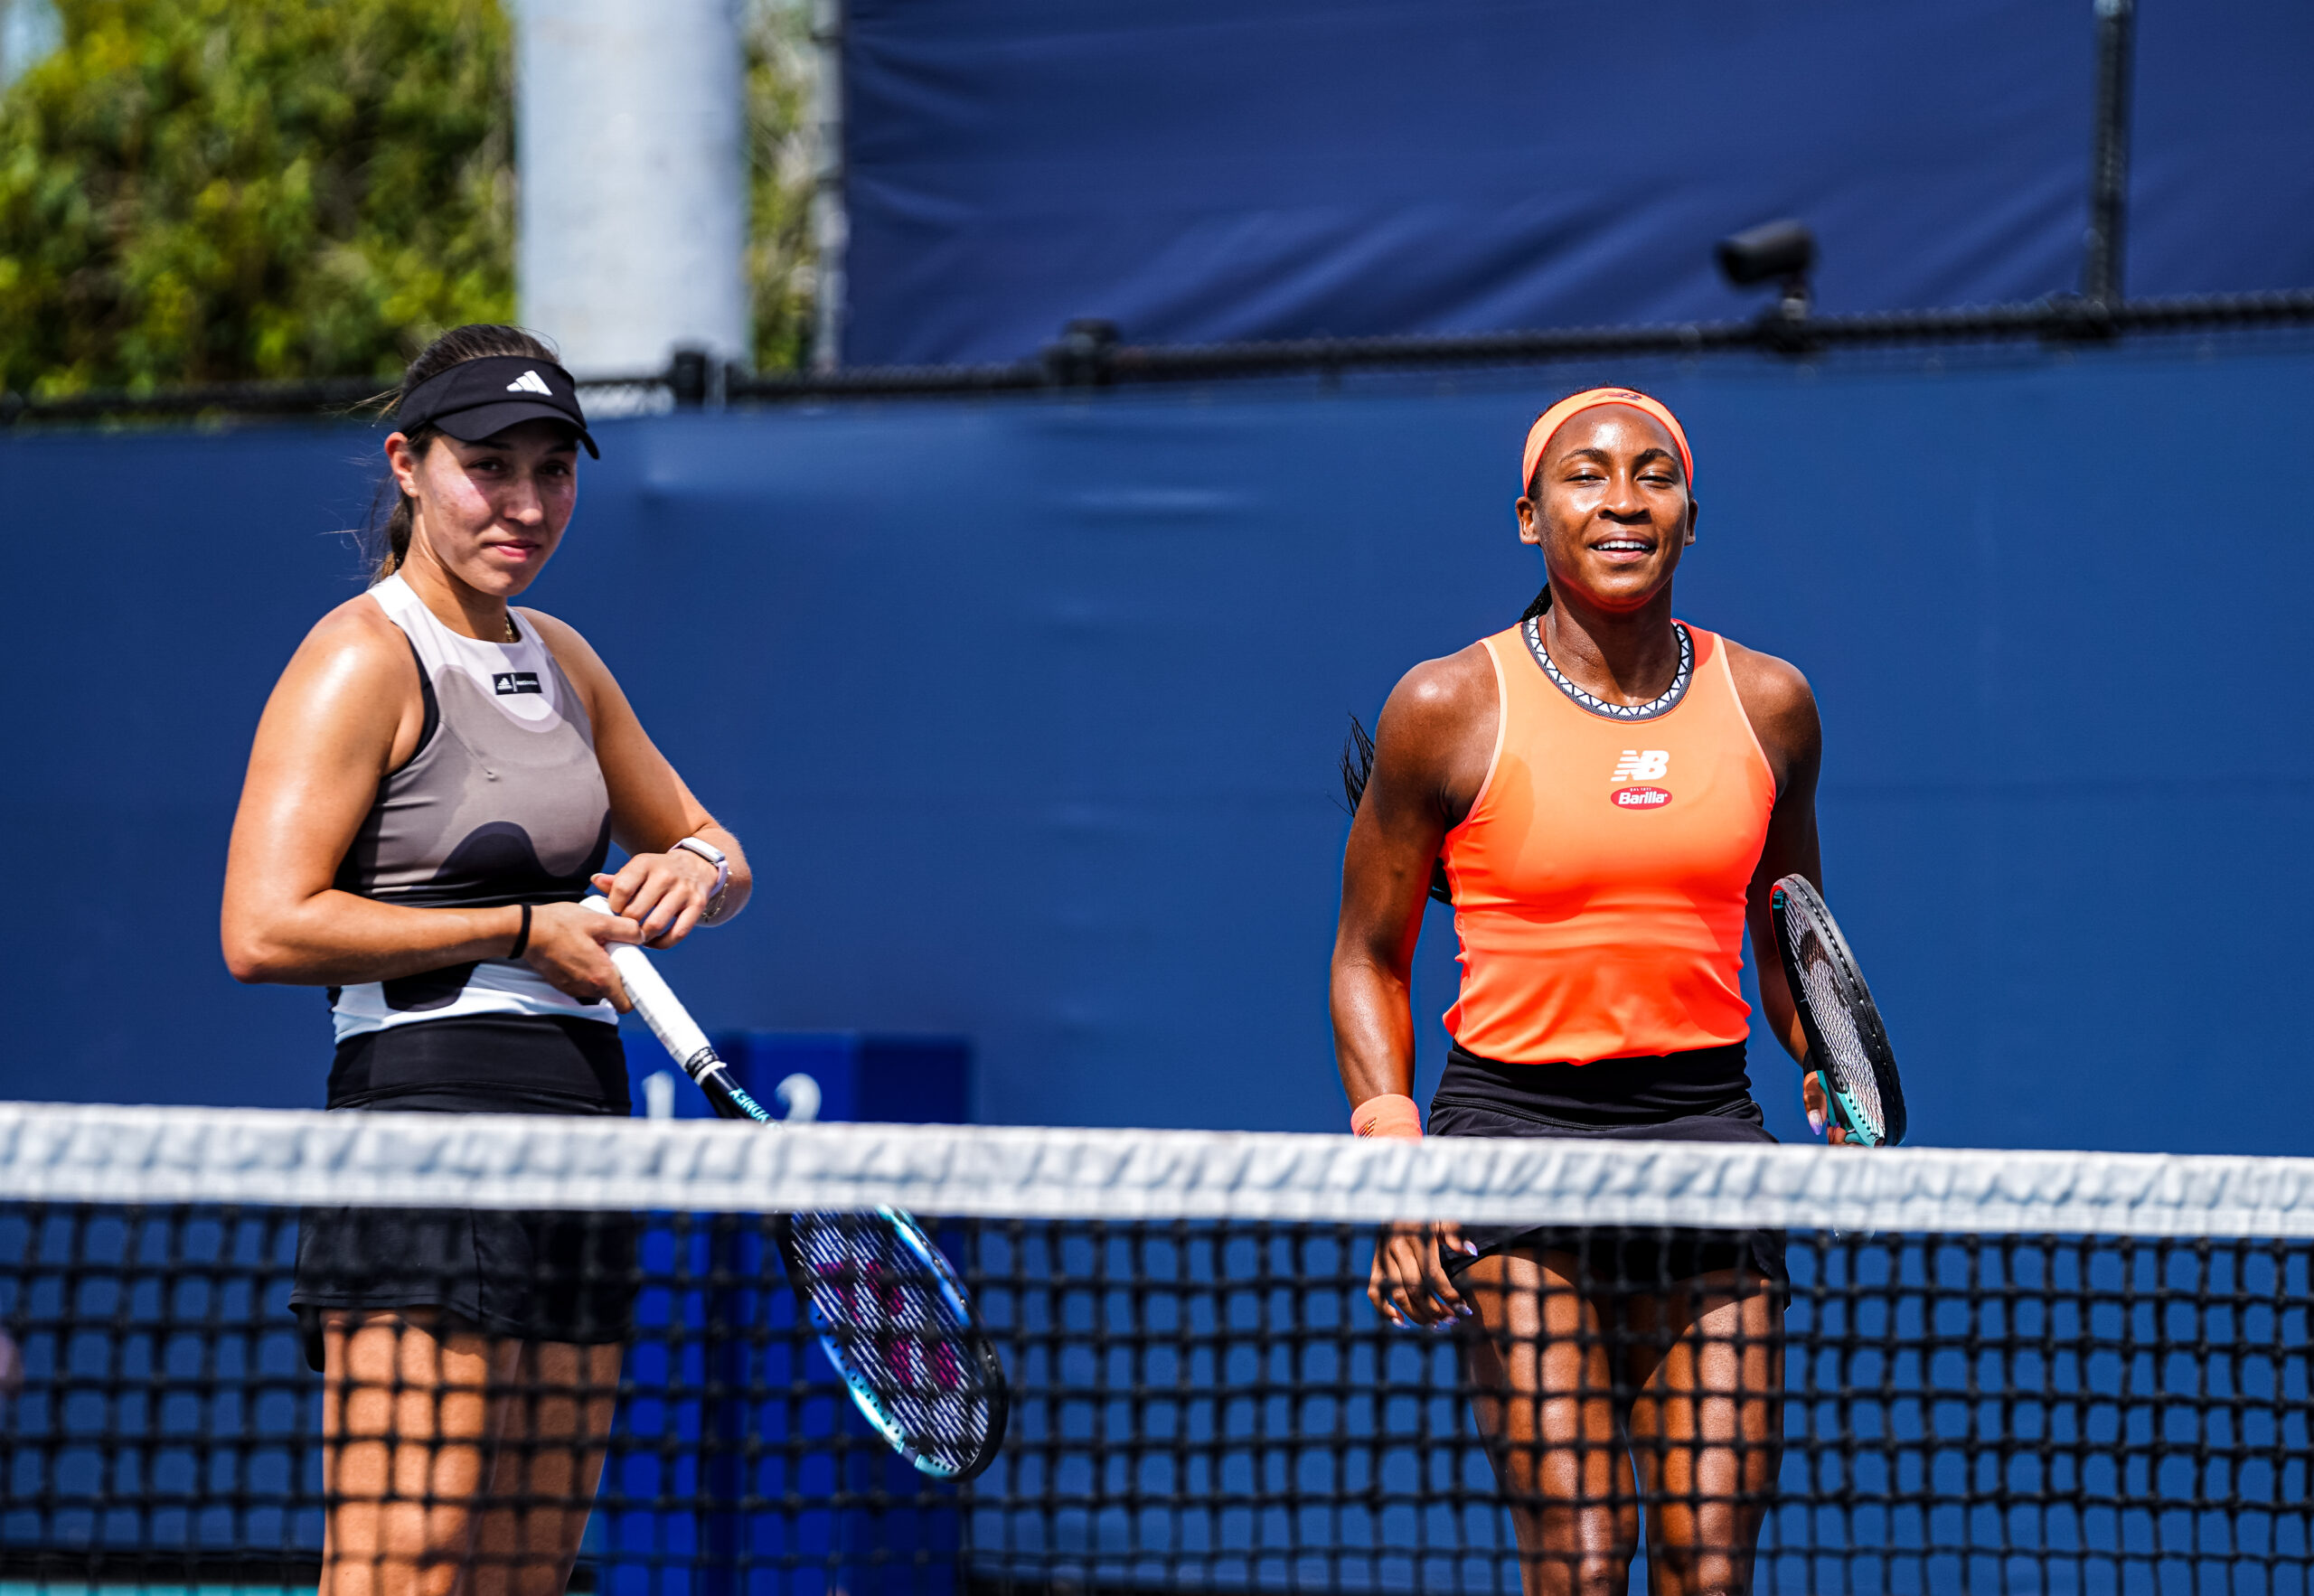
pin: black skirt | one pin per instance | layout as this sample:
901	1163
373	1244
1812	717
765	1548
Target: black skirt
1704	1095
533	1276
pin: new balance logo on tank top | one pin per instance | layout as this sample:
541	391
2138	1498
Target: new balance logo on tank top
1600	876
502	803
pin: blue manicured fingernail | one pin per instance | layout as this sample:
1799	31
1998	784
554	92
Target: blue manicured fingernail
1815	1122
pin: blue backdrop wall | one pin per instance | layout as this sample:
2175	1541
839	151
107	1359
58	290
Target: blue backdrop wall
1029	711
1210	169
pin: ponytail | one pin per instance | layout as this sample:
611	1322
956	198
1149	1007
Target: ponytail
399	520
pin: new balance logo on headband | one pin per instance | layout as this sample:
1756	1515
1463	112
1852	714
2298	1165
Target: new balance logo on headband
530	382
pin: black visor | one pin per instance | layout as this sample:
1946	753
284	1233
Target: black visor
479	399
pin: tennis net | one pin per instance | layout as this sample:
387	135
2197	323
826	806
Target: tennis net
1972	1372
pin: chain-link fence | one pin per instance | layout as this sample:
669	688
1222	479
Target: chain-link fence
1093	355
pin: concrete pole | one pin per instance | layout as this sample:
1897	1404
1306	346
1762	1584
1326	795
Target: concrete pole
631	141
30	30
2107	250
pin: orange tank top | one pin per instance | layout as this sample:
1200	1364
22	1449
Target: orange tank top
1600	876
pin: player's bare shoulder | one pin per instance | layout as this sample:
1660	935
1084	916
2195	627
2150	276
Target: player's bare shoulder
1780	706
351	693
1443	695
1437	729
357	639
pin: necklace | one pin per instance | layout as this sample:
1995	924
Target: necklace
1664	704
511	635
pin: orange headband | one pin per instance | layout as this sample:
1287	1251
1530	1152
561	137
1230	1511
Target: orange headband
1547	426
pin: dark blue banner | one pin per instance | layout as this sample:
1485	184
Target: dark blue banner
1210	170
2223	140
1206	171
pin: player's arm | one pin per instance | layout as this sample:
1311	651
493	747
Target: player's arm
1782	711
1421	786
1432	744
346	712
667	893
1782	707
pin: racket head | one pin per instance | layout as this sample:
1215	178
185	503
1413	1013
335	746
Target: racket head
894	1319
1847	1043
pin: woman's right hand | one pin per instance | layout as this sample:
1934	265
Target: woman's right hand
570	946
1409	1282
1819	1107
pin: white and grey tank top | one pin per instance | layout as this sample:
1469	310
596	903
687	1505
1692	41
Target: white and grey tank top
502	803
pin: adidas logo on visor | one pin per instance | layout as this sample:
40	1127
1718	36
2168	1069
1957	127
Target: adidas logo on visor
530	382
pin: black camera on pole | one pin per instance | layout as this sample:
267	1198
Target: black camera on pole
1780	253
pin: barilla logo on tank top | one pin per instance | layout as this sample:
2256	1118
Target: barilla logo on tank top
1641	764
513	681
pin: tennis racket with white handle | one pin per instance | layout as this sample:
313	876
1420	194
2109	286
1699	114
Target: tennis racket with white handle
1847	1043
891	1315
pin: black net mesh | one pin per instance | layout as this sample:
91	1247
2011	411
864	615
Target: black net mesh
1195	1403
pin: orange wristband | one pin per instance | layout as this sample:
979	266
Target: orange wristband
1393	1114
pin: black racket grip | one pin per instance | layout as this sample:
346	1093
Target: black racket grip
724	1095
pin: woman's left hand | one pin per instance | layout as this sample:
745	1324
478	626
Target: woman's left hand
666	894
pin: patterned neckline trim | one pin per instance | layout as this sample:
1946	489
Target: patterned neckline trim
1532	630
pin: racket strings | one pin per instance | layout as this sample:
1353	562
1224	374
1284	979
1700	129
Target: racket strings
887	1309
1851	1062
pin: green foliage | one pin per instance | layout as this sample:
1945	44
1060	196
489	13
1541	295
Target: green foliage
780	257
196	191
205	190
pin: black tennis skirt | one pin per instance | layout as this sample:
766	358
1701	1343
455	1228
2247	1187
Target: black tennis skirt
1704	1095
534	1276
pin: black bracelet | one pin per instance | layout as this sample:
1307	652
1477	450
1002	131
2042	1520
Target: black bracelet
521	937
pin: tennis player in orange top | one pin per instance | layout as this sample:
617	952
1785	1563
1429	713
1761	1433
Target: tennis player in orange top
1611	792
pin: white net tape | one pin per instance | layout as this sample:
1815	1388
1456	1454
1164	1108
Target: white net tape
60	1152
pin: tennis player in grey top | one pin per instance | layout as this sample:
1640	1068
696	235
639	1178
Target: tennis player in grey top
433	786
